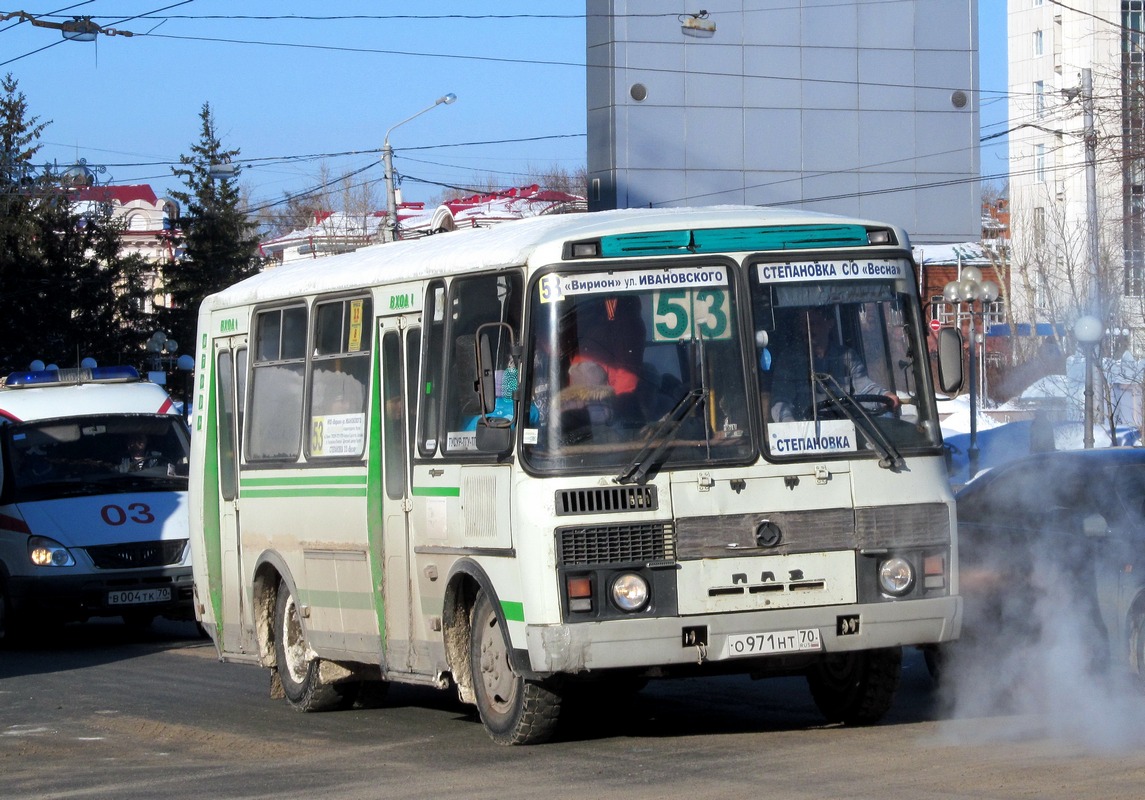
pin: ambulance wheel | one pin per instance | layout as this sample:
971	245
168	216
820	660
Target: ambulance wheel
856	688
514	710
298	667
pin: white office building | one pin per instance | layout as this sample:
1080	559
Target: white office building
1078	243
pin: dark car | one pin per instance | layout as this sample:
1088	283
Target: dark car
1052	560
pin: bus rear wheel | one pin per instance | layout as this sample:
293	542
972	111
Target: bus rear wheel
856	688
298	669
513	710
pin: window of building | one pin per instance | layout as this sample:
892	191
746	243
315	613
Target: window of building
1039	99
1038	229
1039	43
1040	163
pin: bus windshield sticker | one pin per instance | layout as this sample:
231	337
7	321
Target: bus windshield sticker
690	314
461	440
337	434
846	270
811	438
554	288
355	344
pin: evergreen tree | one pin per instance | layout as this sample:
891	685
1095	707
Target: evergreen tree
67	292
22	274
219	242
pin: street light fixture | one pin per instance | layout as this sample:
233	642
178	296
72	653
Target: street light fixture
971	289
1087	331
388	164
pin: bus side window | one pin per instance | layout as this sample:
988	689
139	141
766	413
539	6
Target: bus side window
433	369
474	302
339	378
276	394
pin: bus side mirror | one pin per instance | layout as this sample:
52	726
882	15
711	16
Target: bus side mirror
495	423
950	376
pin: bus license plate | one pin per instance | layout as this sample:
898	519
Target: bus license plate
763	644
129	597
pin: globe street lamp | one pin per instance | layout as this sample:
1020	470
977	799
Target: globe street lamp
971	289
1087	331
388	164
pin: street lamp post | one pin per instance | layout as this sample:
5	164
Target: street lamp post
1087	331
970	288
388	164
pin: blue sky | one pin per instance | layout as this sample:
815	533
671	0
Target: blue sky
302	97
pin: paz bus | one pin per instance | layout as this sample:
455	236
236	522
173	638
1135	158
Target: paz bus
544	458
93	499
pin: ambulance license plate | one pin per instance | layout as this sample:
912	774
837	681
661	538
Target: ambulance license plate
130	597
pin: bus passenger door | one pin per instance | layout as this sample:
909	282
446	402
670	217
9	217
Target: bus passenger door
230	371
400	343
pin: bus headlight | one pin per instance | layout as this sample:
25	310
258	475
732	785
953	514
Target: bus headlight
45	552
896	576
629	592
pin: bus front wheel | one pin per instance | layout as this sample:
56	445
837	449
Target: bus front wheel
856	688
513	710
297	667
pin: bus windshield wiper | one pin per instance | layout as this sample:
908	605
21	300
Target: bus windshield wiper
662	436
889	456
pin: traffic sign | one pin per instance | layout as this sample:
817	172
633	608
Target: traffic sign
935	325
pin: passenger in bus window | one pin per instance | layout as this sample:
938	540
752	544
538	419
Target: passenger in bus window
610	334
814	333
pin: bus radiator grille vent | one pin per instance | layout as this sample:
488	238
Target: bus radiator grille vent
617	544
606	500
133	555
915	525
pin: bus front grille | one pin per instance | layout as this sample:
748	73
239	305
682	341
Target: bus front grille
134	555
640	543
605	500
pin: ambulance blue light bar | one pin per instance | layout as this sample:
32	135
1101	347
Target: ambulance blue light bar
63	377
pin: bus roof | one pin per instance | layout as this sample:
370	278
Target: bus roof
505	244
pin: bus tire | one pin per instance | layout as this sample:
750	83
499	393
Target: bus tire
856	688
297	669
512	709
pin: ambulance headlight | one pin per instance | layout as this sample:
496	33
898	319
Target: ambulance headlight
45	552
629	592
896	576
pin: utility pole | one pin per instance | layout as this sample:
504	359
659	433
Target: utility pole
1090	329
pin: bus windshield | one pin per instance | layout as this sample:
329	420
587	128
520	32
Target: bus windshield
635	369
839	368
96	454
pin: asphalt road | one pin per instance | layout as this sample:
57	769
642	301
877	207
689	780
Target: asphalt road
100	711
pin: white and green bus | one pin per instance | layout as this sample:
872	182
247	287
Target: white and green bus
575	453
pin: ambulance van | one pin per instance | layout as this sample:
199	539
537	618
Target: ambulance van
93	499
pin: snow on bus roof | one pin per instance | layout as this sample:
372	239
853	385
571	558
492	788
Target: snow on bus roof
506	244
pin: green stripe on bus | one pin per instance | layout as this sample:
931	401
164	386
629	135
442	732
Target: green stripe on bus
302	491
514	612
436	491
374	504
313	480
332	598
212	511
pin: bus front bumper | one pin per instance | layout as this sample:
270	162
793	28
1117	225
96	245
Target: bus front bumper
671	641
